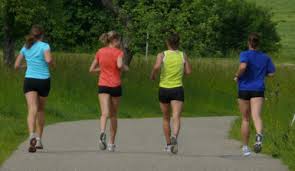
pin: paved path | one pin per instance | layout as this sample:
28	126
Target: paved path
203	146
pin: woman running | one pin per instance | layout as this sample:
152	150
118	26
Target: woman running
36	84
254	67
109	62
173	64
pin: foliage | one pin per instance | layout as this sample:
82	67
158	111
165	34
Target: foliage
81	25
209	91
207	28
25	14
284	15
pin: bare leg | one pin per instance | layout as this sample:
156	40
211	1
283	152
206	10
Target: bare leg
40	122
244	106
115	101
32	102
166	121
256	107
176	113
104	100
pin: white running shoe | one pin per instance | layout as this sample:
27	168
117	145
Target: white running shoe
246	151
111	147
39	144
102	141
167	149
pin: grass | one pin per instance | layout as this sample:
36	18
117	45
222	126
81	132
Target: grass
73	95
284	15
209	91
277	115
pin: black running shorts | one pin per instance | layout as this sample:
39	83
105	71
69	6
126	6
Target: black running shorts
41	86
166	95
247	95
113	91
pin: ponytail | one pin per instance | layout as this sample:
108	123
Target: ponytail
30	40
104	38
107	38
173	40
35	34
254	40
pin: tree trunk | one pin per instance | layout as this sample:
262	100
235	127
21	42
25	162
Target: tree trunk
125	20
8	49
9	41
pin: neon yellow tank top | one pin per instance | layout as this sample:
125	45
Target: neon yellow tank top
172	69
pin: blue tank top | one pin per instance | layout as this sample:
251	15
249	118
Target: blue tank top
37	67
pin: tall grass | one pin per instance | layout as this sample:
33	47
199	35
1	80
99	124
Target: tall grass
277	115
209	91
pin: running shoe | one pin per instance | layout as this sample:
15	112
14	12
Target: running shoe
102	141
111	147
246	151
174	148
32	142
168	148
39	144
258	143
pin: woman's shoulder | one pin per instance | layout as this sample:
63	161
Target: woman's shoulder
43	44
118	50
245	52
113	49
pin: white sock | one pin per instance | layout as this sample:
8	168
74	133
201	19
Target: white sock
245	146
32	135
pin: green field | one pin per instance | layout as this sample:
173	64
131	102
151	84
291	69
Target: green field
284	15
209	91
73	95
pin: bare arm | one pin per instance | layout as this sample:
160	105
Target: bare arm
18	61
94	67
48	57
120	63
187	65
241	71
157	66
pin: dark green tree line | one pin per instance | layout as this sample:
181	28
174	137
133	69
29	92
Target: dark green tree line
207	28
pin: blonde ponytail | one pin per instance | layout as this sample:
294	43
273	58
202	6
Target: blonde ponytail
104	38
107	38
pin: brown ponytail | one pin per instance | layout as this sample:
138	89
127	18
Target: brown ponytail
173	40
109	37
35	35
253	40
30	40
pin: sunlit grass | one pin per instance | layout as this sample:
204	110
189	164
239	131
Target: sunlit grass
209	91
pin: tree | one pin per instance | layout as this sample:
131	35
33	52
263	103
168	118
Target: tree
125	20
207	28
18	16
9	40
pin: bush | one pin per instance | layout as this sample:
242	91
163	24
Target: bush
207	28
